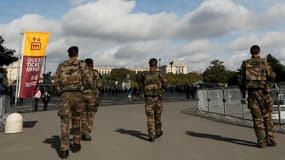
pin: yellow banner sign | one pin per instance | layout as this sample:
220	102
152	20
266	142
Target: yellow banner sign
35	43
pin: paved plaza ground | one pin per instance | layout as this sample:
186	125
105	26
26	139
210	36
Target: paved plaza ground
120	134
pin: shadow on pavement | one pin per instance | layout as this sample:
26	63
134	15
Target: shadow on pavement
221	138
54	142
134	133
29	124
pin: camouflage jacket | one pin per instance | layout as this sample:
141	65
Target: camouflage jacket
96	82
153	86
72	75
255	73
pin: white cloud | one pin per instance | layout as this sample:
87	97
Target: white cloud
273	41
280	55
270	42
233	62
197	54
77	2
113	34
113	20
213	18
32	22
275	14
243	43
198	46
142	50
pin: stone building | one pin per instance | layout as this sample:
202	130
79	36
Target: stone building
12	72
175	67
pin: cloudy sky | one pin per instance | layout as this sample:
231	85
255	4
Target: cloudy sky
129	32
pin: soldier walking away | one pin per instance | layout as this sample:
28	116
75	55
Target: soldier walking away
154	85
256	77
92	101
70	80
45	99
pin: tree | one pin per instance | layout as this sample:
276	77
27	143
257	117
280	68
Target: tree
277	67
216	72
6	55
232	77
47	78
119	74
181	79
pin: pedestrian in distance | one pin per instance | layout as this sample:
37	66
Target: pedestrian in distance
45	99
130	94
187	90
256	78
37	97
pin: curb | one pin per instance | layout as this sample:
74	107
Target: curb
227	119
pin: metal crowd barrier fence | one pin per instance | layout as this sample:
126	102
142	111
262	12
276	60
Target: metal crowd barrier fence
227	101
5	108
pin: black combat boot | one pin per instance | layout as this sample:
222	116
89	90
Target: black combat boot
151	139
75	148
270	142
261	144
63	154
159	135
86	137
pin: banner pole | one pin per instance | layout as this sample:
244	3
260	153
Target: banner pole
44	75
19	68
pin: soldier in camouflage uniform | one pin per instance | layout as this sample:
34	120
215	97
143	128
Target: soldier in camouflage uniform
153	84
256	77
70	79
92	101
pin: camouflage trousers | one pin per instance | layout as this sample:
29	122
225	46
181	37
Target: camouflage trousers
70	109
88	114
260	105
153	109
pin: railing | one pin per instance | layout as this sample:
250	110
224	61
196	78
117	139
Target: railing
5	108
227	101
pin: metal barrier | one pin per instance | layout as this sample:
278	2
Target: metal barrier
4	109
278	112
227	101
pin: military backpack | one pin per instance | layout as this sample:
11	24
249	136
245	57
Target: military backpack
71	76
255	73
152	84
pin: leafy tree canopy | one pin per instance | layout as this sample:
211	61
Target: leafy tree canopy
175	79
6	55
277	67
216	72
120	74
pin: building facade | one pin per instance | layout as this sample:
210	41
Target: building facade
175	67
104	70
12	72
138	69
107	70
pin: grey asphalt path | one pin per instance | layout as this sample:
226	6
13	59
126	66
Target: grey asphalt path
120	133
